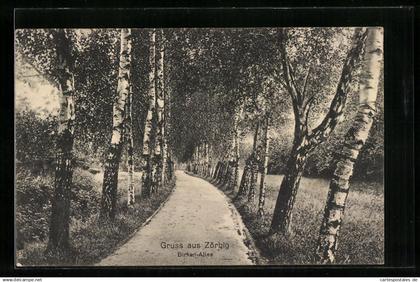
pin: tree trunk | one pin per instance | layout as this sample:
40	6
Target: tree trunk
246	178
170	165
200	159
204	160
283	210
208	161
354	140
130	148
233	167
222	171
157	159
255	167
216	170
167	120
235	177
264	169
303	141
164	115
148	128
112	162
219	170
194	161
227	172
60	211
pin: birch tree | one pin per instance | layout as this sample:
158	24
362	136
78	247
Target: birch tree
164	116
147	136
60	210
157	164
267	102
216	169
248	179
354	141
254	177
110	182
207	161
130	149
232	173
264	165
305	140
167	157
223	168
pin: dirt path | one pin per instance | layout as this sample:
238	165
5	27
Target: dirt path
196	226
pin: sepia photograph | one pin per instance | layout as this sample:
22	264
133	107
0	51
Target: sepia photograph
199	146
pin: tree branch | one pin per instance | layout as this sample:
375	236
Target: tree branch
307	108
294	84
285	66
323	130
50	78
305	82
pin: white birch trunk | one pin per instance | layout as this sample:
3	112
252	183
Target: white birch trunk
60	210
130	148
110	183
264	168
160	104
146	167
234	160
164	117
353	143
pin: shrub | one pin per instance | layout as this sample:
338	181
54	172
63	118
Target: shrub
33	206
33	203
34	136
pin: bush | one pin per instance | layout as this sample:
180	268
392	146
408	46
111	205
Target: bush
33	206
34	136
33	203
85	196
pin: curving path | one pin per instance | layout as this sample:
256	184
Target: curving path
196	226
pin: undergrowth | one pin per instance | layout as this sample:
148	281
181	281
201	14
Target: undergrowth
91	239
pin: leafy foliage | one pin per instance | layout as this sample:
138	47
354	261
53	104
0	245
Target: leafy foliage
209	75
33	203
34	136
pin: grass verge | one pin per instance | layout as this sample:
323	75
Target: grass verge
361	238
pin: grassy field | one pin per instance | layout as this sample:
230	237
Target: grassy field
361	238
91	239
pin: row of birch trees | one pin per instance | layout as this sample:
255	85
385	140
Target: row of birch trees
57	55
194	98
364	59
157	165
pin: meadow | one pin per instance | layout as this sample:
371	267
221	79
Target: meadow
361	239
